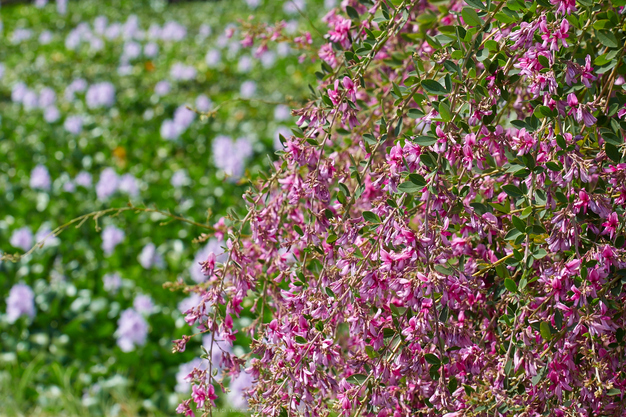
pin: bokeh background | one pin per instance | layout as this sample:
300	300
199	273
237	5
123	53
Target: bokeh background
93	115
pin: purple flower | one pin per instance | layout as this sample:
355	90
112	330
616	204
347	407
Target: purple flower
112	282
238	386
1	70
132	330
22	238
40	178
69	186
230	156
47	97
131	50
282	113
162	88
45	37
151	49
78	85
143	304
128	184
44	232
30	100
173	31
179	178
183	385
100	95
20	35
18	91
170	130
83	179
213	58
248	89
62	6
107	184
183	117
203	103
268	59
294	6
285	132
111	237
190	302
73	125
149	257
180	71
20	302
245	64
204	31
51	114
213	245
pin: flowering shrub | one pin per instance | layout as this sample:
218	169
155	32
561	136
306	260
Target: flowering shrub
444	235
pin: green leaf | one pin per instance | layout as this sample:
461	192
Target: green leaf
298	230
606	38
357	379
415	113
432	359
518	223
351	11
612	152
329	292
409	188
433	87
510	285
544	329
477	4
371	352
512	235
444	111
540	253
371	217
418	180
424	140
553	166
542	111
300	339
613	391
470	17
512	190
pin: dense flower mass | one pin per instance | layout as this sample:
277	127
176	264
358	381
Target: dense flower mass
444	235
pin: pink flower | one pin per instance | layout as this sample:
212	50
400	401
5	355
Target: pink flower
611	225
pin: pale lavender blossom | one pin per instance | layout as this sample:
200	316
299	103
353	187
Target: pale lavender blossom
128	184
1	70
18	91
47	97
143	304
230	156
40	178
268	59
112	282
83	179
219	346
111	237
151	49
182	72
130	29
204	32
62	6
44	237
132	330
20	35
253	4
329	4
150	258
213	58
132	50
20	302
22	238
170	130
190	302
283	49
179	178
107	184
248	89
183	117
30	100
100	24
96	44
183	384
238	387
100	95
162	88
113	30
45	37
173	31
69	187
233	48
40	3
73	125
51	114
214	246
125	69
203	103
285	132
245	64
282	113
154	31
76	86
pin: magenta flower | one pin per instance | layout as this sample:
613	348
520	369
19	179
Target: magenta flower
611	225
